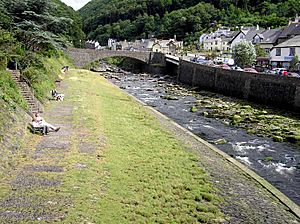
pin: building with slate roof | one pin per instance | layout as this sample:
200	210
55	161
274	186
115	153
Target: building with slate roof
282	54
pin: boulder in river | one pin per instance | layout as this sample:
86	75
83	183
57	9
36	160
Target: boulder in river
193	109
278	138
236	119
221	141
168	97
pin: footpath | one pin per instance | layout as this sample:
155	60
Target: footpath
116	161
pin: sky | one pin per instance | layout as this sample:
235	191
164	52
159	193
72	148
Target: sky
75	4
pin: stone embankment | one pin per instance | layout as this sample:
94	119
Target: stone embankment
267	89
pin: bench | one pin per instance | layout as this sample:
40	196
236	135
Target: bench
38	130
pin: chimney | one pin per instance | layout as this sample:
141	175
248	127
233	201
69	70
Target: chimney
257	27
269	28
175	37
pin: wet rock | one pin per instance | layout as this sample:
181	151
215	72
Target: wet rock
278	138
115	77
193	109
221	141
205	114
168	97
236	119
294	139
268	159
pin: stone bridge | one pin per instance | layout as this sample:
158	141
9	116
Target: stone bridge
83	57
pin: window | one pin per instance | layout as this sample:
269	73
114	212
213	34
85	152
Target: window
292	51
278	51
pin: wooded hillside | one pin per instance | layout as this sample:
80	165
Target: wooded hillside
187	19
32	34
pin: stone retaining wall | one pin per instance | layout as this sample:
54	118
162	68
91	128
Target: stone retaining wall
273	90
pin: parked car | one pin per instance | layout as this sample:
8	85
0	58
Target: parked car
283	72
229	61
224	66
294	74
237	68
279	71
219	60
252	70
268	71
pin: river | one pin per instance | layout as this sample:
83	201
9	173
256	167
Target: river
277	162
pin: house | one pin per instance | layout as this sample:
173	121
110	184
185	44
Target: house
168	46
267	39
90	44
111	42
240	36
161	46
220	43
282	54
255	35
293	29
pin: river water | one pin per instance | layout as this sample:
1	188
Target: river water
282	170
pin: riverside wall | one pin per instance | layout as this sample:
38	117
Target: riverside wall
267	89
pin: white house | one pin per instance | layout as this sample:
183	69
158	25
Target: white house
240	36
168	46
111	42
221	43
90	44
282	54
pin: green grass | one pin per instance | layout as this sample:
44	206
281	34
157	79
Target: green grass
9	91
144	174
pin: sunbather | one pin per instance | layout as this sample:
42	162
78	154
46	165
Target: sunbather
38	121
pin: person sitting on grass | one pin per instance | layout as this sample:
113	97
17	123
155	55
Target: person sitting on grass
38	121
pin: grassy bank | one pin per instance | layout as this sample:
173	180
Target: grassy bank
43	73
143	174
13	118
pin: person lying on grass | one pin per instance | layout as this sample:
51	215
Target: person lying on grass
38	121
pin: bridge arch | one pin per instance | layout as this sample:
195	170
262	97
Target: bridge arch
82	57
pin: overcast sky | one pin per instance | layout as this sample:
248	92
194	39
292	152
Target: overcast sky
75	4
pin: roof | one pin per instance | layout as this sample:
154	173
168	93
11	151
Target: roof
235	34
270	36
252	32
289	30
293	42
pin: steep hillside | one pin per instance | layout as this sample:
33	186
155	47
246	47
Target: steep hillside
32	34
130	19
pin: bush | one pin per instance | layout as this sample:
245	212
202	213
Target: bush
9	92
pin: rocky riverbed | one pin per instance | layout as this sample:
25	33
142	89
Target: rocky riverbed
263	138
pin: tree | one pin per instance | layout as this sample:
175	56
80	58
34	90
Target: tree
260	52
294	63
244	54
